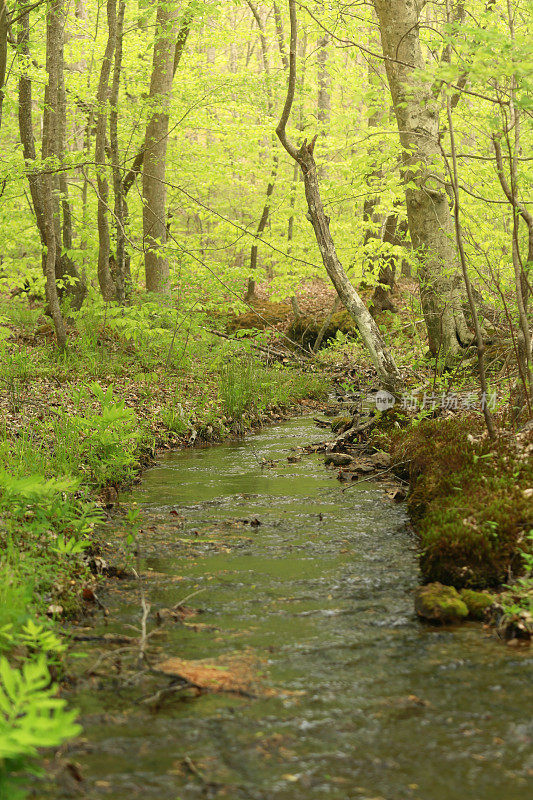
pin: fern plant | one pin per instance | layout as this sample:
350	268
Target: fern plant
31	716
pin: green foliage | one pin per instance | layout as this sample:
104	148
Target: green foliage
31	716
519	597
249	386
101	445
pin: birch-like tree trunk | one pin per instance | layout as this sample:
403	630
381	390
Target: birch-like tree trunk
428	210
156	263
381	356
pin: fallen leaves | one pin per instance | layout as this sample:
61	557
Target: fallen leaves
236	674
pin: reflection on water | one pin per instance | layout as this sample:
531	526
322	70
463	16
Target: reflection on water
322	591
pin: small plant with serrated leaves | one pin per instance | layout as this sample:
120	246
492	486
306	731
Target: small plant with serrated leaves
31	716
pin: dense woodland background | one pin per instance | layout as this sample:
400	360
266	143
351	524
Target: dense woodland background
139	150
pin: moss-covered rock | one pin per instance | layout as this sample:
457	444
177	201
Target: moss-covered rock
341	423
476	602
305	329
442	604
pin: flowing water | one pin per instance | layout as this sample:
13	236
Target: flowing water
376	705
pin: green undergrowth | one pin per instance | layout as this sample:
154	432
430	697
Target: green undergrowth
73	423
469	501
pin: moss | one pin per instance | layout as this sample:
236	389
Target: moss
305	329
341	422
438	603
476	602
466	501
264	313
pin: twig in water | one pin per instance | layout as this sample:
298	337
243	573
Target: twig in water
145	610
189	597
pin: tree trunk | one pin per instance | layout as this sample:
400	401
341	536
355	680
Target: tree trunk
430	221
105	279
254	252
381	356
39	184
25	103
4	30
121	279
324	83
379	353
51	151
263	220
181	41
72	285
156	264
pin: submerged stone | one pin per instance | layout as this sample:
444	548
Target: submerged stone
338	459
438	603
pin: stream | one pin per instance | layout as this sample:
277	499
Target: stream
368	702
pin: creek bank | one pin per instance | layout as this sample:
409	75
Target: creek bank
470	503
102	435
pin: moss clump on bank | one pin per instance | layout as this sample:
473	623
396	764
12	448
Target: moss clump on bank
263	314
306	329
468	501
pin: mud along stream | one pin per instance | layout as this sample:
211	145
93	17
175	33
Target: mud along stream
364	701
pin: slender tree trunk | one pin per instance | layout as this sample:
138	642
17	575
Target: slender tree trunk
39	183
378	227
379	353
156	264
105	279
325	325
323	110
263	220
324	83
51	152
25	104
62	179
120	217
430	221
181	41
4	31
469	291
254	252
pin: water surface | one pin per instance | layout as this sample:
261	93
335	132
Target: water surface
378	706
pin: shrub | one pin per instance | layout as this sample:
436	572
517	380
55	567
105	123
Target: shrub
31	716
